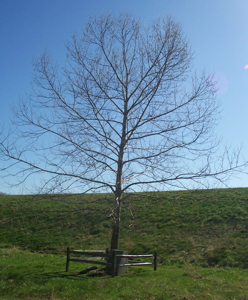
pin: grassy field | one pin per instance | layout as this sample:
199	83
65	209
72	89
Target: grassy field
201	237
27	275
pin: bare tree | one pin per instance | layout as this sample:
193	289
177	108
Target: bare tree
125	114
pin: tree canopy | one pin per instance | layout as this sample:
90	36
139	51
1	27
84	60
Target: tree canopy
126	113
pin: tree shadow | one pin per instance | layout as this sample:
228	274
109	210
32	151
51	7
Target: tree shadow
82	275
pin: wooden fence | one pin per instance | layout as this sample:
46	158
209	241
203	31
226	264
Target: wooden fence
109	259
131	262
97	257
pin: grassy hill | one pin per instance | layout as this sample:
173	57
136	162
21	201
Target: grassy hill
201	227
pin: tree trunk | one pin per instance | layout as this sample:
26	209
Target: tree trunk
118	191
116	225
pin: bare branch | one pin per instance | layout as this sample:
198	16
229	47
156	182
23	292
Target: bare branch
124	114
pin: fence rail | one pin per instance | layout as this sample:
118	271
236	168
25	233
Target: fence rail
134	263
98	257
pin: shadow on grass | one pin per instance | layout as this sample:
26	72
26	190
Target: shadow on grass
40	275
99	273
82	275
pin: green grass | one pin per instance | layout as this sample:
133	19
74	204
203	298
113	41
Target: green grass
203	227
201	237
26	275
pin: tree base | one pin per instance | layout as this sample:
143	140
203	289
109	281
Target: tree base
115	269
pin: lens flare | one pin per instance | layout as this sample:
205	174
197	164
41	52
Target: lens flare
221	82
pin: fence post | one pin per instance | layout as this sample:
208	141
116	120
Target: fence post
155	261
67	259
107	254
113	263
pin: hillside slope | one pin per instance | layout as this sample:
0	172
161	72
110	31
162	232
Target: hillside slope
205	227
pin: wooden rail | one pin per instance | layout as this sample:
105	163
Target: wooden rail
98	257
134	263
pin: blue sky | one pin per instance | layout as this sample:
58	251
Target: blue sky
216	29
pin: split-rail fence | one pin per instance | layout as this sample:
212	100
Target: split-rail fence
113	260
